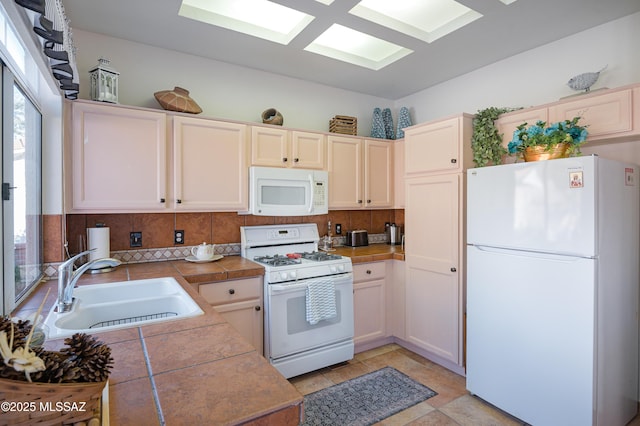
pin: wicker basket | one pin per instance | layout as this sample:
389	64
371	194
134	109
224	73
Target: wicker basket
344	124
49	403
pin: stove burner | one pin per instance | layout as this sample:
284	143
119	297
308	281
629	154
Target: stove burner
276	260
319	256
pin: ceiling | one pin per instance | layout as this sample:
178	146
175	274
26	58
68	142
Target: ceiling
502	31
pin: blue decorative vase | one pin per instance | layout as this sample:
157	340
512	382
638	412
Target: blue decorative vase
377	125
387	119
404	121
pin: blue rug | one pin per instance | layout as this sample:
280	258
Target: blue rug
364	400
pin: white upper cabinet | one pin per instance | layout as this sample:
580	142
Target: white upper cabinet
210	169
121	160
118	159
438	146
360	173
278	147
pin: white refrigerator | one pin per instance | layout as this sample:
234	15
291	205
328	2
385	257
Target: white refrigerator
552	290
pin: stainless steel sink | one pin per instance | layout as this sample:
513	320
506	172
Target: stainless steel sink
111	306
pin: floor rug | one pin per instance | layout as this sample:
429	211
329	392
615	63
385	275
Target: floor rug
364	400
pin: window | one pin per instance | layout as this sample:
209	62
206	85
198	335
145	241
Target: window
21	167
21	192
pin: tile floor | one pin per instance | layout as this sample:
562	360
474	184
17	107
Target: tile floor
453	406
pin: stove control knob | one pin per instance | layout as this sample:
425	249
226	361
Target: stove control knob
283	275
333	269
341	268
293	275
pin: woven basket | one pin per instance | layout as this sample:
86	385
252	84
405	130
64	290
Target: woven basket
45	403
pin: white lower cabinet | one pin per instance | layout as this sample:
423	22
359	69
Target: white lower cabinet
240	303
369	299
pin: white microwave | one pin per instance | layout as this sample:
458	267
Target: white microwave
287	192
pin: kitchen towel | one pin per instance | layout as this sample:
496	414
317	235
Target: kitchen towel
320	300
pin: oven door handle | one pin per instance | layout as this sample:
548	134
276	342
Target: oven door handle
338	280
282	288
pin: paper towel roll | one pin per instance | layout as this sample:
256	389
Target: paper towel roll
98	238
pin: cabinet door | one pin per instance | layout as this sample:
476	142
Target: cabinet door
345	172
606	115
507	124
433	284
269	147
308	150
398	174
369	307
210	165
433	147
378	174
118	159
246	318
369	301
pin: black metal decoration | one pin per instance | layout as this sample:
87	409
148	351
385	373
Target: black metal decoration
52	26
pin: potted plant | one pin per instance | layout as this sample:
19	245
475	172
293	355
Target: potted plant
486	142
542	142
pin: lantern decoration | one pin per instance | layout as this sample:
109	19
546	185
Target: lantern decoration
104	82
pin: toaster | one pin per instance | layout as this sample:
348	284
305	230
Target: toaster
357	238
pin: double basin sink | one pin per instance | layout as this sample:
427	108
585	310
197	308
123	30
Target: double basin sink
112	306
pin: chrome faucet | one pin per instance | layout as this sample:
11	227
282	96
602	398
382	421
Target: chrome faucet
67	278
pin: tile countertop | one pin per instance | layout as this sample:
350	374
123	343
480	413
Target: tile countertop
202	370
371	253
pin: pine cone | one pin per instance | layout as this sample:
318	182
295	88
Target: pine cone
91	357
21	329
58	368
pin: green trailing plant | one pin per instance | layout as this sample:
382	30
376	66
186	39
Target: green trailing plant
486	141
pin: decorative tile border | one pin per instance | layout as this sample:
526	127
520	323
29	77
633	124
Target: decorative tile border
150	255
177	253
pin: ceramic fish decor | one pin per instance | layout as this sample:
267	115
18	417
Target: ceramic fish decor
584	81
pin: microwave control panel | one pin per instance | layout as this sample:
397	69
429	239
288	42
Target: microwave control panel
319	194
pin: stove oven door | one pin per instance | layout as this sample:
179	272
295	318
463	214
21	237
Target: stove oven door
287	331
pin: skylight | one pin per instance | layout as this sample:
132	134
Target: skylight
348	45
258	18
424	20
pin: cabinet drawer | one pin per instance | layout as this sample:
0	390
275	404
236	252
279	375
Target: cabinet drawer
368	271
232	291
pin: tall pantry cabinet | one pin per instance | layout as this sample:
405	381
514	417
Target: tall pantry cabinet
436	155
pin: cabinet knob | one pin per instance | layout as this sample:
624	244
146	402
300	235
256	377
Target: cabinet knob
162	200
232	291
454	161
369	271
368	201
359	201
285	159
453	269
179	201
295	160
257	308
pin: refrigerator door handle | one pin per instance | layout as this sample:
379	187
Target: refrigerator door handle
569	257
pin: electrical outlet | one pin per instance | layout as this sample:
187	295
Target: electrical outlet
338	229
135	239
178	236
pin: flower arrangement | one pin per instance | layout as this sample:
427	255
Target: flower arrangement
539	134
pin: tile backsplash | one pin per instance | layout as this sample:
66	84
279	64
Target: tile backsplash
218	228
222	229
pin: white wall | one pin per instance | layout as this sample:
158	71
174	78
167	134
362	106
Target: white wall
222	90
537	76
